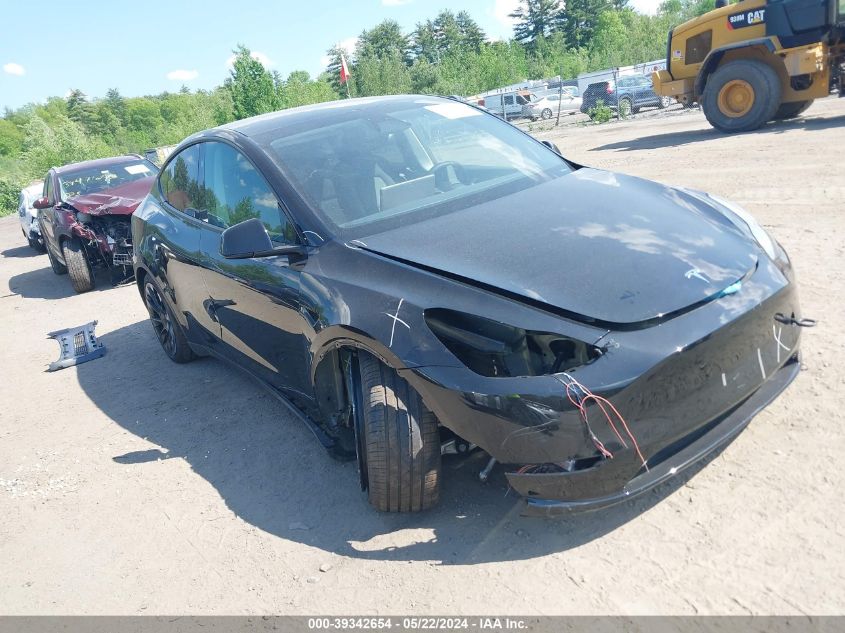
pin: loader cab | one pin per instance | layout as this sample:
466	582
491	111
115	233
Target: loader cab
800	22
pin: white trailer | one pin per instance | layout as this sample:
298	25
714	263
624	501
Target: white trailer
646	68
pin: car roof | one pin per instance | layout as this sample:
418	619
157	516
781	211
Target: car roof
266	122
99	162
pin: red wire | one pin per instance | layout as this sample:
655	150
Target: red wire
600	401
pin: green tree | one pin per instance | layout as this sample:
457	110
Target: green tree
332	73
116	104
65	142
535	18
578	20
298	89
609	41
424	44
78	108
251	86
382	76
384	41
472	36
11	138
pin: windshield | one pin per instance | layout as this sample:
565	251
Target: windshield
93	180
374	168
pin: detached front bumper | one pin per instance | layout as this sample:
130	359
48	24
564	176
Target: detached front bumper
543	492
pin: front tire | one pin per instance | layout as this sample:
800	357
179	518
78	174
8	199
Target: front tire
792	110
78	266
741	96
401	441
168	330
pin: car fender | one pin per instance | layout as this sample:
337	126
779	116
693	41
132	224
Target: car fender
338	336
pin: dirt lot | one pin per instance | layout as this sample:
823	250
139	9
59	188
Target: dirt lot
132	485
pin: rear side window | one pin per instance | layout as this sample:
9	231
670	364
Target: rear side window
179	181
698	47
236	191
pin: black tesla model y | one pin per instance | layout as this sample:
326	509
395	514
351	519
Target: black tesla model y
415	277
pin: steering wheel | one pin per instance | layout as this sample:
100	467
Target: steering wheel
442	179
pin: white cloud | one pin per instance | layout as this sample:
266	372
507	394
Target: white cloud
256	55
182	75
14	69
502	10
394	3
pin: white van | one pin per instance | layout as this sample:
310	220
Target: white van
507	105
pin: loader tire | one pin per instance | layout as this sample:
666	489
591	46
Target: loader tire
78	267
741	96
792	110
401	441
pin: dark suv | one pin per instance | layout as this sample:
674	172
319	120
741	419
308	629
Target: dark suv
629	94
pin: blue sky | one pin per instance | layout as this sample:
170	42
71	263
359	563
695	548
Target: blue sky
153	46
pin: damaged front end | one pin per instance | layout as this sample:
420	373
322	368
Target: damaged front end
582	426
105	232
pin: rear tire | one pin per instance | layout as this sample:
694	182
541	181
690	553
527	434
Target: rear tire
741	96
546	114
626	108
792	110
35	244
78	266
58	268
401	441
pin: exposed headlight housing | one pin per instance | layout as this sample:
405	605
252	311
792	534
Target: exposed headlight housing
497	350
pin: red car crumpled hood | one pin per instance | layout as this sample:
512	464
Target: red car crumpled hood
121	200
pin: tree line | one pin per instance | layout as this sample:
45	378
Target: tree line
448	54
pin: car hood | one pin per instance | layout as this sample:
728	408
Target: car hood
598	246
121	200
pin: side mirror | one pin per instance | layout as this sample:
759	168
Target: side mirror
250	239
552	147
41	203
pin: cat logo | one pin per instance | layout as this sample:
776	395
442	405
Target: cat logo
746	19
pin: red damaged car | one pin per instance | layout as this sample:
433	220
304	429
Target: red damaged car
84	216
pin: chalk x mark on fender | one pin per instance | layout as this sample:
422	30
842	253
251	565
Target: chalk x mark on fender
396	318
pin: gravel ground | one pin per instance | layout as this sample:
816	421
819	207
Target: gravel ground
132	485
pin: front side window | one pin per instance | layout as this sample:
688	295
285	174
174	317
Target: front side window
235	191
179	181
365	170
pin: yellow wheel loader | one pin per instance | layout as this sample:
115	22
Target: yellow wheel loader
756	61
